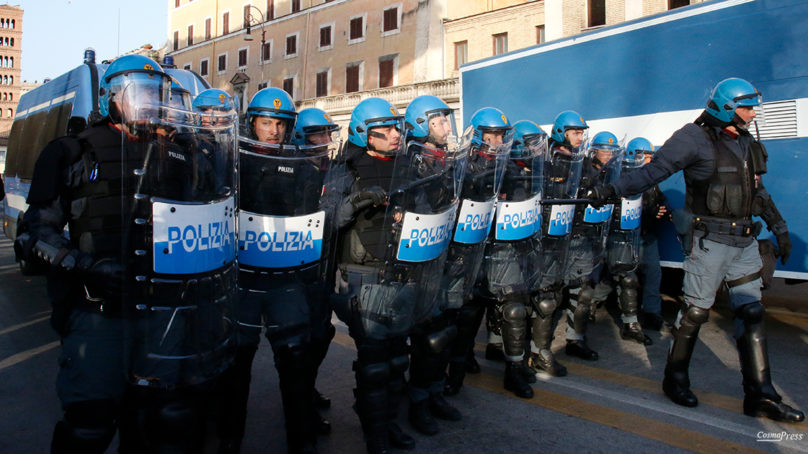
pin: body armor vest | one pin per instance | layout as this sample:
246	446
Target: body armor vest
727	193
369	227
94	187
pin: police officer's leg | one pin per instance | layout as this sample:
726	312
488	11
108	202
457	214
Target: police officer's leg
493	324
468	322
651	277
761	398
514	329
233	386
372	370
322	333
580	298
90	383
170	422
629	305
287	317
422	363
398	352
704	268
541	357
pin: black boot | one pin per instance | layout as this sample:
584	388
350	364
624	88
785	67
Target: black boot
454	381
676	384
761	399
294	365
442	409
545	361
528	372
515	381
654	322
400	439
421	418
580	349
633	331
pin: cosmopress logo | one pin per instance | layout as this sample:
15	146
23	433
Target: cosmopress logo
775	437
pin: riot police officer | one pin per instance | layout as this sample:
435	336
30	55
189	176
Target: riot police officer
490	143
284	243
393	249
561	180
107	309
430	124
722	164
587	245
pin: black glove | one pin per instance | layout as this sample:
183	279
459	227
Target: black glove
600	195
103	278
357	201
783	247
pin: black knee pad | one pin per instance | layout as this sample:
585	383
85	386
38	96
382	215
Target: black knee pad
399	364
514	311
372	375
751	313
438	341
545	305
629	281
696	315
585	295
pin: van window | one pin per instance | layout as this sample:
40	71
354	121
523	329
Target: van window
14	142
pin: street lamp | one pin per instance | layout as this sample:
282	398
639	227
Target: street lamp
248	36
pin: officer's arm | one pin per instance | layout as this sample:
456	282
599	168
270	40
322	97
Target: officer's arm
41	231
763	206
677	153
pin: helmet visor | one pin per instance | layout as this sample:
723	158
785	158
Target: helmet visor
140	96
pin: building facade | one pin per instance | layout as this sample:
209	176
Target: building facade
10	59
334	53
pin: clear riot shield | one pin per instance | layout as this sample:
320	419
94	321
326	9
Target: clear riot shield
418	220
512	263
623	243
484	175
562	176
587	246
178	198
286	212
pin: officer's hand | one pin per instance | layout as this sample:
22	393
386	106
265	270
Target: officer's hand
104	278
76	260
375	195
783	247
599	195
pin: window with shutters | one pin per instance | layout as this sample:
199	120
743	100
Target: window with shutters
203	67
500	43
597	13
266	52
387	71
326	37
352	78
208	30
539	34
190	35
672	4
176	44
390	20
322	84
295	6
461	53
270	9
289	86
226	23
291	46
222	63
356	29
242	58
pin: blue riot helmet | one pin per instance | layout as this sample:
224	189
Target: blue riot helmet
525	135
602	148
637	149
314	127
213	103
266	105
375	113
488	120
565	121
215	99
730	94
129	85
429	119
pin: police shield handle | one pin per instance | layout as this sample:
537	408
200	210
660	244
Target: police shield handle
600	195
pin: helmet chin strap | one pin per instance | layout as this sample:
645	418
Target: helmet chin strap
739	123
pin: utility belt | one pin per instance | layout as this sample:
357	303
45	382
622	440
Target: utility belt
743	227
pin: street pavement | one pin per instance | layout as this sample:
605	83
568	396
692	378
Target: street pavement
611	405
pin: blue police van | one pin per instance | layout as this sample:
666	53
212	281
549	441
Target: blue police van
650	76
64	105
